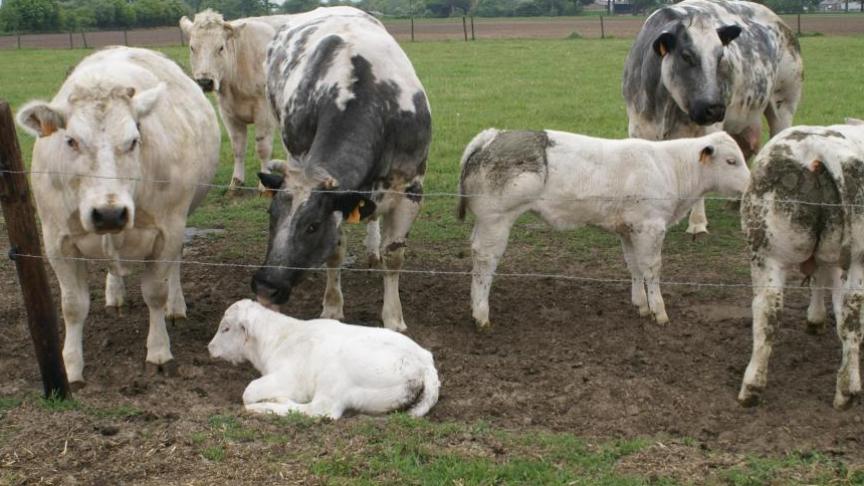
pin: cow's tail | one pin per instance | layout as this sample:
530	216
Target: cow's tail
475	145
429	396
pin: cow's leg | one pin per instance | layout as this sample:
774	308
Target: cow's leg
373	243
768	278
697	223
315	408
176	308
75	305
849	331
154	287
115	291
637	288
780	111
647	245
332	306
237	134
825	277
263	145
488	243
397	223
274	387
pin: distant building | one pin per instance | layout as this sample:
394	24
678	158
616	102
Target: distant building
839	6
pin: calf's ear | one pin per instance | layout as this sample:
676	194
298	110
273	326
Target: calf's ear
728	33
705	154
40	119
144	102
664	43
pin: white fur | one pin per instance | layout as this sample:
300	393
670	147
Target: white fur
176	140
635	188
323	367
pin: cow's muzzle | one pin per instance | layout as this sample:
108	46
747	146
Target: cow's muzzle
707	113
206	84
110	219
268	293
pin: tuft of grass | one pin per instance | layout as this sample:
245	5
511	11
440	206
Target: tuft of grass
8	403
574	35
214	453
54	404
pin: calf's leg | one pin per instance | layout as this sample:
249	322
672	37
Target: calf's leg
488	243
333	302
637	288
115	291
768	278
849	332
825	277
697	223
647	245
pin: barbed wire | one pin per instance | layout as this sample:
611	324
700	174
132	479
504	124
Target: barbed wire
435	194
461	273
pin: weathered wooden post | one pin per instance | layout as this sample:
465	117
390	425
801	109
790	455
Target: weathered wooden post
182	39
473	37
20	219
412	28
125	37
465	28
71	44
602	28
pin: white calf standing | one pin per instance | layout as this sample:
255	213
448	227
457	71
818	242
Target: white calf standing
820	169
635	188
323	367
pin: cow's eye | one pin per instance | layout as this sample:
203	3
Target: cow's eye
221	49
192	49
133	145
732	162
688	58
71	142
312	228
225	329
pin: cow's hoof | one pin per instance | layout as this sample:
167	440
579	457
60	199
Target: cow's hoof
396	326
661	319
374	260
749	396
701	235
339	316
235	188
843	401
644	311
168	368
76	386
483	327
816	328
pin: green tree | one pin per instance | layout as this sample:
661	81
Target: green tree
297	6
447	8
235	9
30	15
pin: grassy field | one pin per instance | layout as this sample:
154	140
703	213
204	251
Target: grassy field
571	85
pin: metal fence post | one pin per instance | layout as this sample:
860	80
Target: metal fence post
20	219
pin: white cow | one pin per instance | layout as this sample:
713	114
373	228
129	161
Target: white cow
805	209
124	142
634	188
228	57
323	367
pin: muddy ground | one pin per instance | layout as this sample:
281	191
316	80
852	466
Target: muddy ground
563	356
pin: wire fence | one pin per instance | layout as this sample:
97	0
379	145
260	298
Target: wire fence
430	272
458	28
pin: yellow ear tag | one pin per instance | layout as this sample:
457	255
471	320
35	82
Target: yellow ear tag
354	217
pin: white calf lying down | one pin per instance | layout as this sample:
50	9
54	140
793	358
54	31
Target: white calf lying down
635	188
323	367
822	169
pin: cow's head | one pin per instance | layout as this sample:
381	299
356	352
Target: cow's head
96	135
233	332
722	165
692	67
306	214
211	47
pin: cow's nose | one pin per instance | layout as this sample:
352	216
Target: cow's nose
110	219
715	113
707	113
267	292
205	83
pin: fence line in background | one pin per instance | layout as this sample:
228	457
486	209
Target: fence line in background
438	194
410	271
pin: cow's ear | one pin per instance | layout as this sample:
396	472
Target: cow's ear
354	207
271	181
664	43
233	30
185	24
728	33
144	102
705	154
40	119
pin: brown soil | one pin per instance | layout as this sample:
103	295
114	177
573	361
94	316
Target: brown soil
563	356
620	26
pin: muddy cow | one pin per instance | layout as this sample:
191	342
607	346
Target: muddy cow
128	145
805	210
356	124
704	65
634	188
323	367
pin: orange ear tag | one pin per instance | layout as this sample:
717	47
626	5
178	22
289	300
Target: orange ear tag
47	128
354	217
663	50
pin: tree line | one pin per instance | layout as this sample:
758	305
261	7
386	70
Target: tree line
74	15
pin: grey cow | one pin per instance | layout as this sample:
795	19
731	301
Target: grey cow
356	123
704	65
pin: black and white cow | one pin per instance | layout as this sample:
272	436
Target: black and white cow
704	65
356	123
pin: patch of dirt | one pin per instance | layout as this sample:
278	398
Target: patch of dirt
563	356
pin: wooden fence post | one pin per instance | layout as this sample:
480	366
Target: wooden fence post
464	28
84	38
412	28
125	38
182	40
602	28
71	44
20	219
19	40
473	37
799	24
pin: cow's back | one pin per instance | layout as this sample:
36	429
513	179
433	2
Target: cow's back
180	138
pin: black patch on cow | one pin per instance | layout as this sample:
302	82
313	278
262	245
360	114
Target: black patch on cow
348	201
414	192
799	135
509	154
